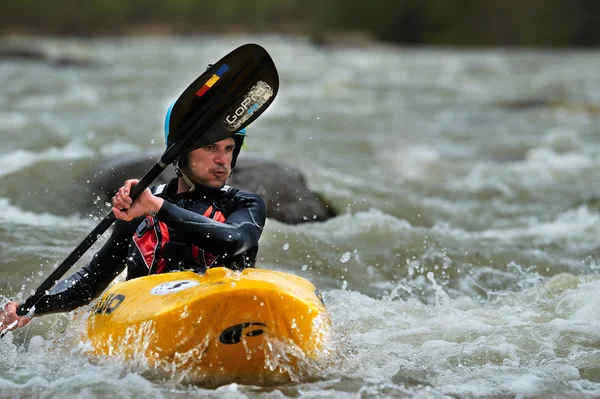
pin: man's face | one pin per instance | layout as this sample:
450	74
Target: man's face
211	165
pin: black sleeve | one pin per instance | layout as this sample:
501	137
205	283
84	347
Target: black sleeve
88	283
240	232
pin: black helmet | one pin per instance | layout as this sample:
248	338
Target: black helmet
238	137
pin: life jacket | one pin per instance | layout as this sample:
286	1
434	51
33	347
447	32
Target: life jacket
152	236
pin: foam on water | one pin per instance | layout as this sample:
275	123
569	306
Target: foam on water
12	214
79	95
445	271
13	120
62	364
468	347
53	367
577	228
118	148
541	168
419	163
19	159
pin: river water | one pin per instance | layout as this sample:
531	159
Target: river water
463	262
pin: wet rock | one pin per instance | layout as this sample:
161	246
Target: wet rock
350	385
22	54
592	202
283	187
411	378
345	39
72	62
526	104
589	367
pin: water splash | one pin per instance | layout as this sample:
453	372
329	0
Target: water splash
441	298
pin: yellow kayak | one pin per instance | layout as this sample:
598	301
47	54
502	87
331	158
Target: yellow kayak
255	326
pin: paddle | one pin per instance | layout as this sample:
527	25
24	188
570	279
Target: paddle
226	98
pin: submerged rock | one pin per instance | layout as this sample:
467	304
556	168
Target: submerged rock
283	187
23	54
526	104
345	39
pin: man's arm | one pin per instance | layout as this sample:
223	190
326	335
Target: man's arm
89	282
82	286
240	232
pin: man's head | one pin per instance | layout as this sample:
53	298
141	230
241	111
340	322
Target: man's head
210	166
202	165
203	172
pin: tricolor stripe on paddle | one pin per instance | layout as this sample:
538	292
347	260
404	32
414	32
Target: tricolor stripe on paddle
213	79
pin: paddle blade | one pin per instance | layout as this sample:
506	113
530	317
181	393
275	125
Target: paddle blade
229	96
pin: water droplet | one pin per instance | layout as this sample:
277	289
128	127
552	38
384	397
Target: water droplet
344	285
345	257
185	313
152	141
304	267
286	246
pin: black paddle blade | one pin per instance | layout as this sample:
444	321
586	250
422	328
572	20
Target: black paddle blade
229	96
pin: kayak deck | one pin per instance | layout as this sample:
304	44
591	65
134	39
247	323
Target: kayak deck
255	326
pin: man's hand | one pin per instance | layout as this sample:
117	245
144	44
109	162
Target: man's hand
125	209
9	319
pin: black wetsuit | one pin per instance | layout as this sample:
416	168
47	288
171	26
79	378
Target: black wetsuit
233	244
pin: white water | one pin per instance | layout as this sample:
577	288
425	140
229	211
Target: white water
464	261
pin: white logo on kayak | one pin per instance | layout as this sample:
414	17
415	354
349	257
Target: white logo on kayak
173	286
253	100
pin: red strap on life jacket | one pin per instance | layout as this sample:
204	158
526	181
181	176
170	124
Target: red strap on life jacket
151	243
147	242
164	232
154	236
218	215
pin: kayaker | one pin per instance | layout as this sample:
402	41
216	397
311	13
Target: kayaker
192	223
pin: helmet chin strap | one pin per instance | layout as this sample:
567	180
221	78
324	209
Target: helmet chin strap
186	179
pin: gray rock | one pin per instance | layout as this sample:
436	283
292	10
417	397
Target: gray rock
283	187
533	103
22	54
356	39
522	104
